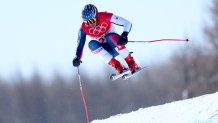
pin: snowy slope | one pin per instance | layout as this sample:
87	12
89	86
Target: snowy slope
203	109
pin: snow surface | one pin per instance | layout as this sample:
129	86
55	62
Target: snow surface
203	109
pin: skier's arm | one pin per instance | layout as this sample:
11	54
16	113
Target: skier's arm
122	22
80	43
123	40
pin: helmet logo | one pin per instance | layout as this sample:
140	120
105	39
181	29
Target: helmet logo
99	29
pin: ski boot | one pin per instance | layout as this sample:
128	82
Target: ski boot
131	63
116	64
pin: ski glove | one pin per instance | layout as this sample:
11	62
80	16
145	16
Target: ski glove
76	62
123	40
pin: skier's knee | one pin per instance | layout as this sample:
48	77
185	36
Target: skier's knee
93	45
112	39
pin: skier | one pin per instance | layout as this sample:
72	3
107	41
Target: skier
105	41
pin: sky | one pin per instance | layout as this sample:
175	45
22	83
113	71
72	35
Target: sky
42	35
203	109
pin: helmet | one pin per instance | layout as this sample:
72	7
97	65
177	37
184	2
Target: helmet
89	12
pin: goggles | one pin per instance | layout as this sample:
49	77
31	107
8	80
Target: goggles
91	21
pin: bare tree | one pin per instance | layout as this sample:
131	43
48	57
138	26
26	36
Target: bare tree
212	31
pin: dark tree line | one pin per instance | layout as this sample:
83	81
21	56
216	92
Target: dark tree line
35	101
186	74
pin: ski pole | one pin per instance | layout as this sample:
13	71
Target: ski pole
83	97
159	40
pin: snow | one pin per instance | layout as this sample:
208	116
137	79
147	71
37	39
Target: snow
202	109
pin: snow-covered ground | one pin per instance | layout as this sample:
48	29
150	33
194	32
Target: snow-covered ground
203	109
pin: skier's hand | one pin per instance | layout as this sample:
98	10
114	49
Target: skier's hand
123	40
76	62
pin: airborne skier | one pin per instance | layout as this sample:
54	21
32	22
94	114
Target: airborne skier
105	41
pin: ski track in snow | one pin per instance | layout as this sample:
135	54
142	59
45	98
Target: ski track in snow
202	109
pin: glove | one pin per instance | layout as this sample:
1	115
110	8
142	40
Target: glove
76	62
123	40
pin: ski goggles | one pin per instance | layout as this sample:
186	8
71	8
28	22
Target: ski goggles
91	21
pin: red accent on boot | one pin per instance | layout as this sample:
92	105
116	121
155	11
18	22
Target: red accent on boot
131	63
116	64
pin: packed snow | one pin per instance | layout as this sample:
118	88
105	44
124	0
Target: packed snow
202	109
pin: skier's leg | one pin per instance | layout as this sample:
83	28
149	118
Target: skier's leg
96	48
112	39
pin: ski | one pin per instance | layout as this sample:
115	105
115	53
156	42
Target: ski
115	76
129	75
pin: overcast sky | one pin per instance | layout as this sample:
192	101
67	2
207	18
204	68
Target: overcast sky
42	34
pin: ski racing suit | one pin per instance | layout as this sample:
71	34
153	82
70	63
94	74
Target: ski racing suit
104	38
